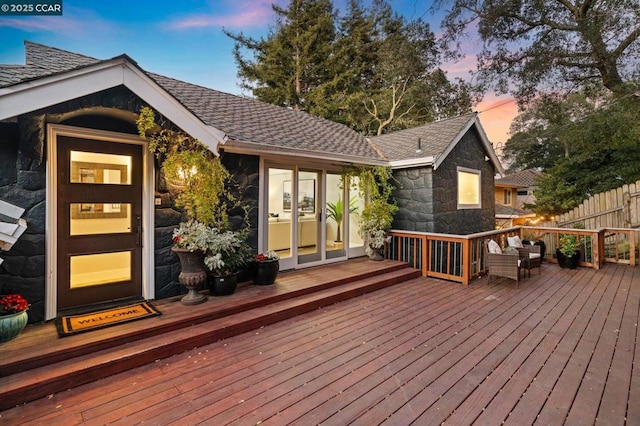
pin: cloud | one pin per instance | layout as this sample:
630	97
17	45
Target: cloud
242	14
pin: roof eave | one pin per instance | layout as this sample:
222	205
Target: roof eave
50	90
412	162
254	148
483	138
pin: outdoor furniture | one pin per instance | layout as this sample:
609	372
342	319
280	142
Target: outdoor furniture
507	265
530	253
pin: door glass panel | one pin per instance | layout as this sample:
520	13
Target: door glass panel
99	168
99	269
279	209
100	218
355	240
335	209
308	229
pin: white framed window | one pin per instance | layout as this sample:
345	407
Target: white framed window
469	188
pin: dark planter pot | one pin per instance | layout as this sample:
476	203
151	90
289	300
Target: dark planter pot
569	262
193	274
223	285
266	272
543	246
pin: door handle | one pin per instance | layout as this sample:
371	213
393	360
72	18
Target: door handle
139	230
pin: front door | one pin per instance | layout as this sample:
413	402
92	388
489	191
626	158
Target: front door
99	227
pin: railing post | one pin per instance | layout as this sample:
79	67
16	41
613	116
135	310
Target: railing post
598	249
466	262
425	247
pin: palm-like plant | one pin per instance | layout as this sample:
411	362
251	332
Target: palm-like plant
335	211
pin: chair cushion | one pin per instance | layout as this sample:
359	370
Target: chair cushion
514	241
493	247
534	255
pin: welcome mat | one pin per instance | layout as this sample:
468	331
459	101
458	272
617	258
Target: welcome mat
68	325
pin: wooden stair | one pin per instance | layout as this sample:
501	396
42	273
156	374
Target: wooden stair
41	365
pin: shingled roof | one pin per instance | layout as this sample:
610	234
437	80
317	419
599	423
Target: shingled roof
523	179
243	120
430	143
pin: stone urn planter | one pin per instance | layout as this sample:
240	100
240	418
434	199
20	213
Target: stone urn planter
12	325
223	285
193	274
266	272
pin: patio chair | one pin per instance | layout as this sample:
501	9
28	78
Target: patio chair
529	252
507	265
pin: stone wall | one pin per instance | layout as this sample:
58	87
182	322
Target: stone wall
415	199
427	198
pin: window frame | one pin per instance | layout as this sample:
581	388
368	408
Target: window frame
467	206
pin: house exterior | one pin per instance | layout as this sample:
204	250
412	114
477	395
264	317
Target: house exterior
512	192
100	217
444	173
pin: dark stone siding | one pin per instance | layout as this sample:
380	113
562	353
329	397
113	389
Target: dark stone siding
23	183
427	198
415	199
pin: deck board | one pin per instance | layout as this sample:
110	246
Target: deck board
562	348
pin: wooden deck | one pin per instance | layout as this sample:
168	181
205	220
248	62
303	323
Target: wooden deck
560	349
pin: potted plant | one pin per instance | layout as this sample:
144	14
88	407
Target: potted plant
13	316
374	185
335	212
197	178
568	251
227	252
266	267
190	244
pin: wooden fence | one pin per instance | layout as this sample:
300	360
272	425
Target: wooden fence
617	208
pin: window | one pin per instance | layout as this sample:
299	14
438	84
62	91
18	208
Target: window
468	188
507	197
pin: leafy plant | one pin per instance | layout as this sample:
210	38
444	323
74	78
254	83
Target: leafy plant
227	251
569	245
190	168
335	212
375	187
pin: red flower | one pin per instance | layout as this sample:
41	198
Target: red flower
12	303
260	257
177	239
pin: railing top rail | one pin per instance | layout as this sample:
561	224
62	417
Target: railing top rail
463	237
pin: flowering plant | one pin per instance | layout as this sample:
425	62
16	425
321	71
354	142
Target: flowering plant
12	304
191	235
270	255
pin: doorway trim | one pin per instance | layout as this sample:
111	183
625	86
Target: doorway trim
51	237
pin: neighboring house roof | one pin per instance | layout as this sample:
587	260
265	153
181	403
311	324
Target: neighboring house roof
430	144
506	212
215	116
523	179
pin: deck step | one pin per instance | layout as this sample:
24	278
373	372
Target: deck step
67	372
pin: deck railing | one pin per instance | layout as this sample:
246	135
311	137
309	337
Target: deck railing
461	258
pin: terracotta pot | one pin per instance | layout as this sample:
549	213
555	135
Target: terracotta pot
12	325
266	272
193	274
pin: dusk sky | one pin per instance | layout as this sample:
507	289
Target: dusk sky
184	40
